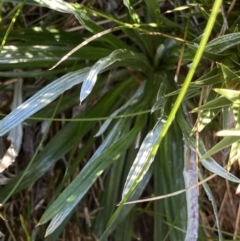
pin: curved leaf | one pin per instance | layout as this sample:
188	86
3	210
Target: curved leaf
68	137
42	98
128	103
44	55
70	197
208	162
117	55
224	42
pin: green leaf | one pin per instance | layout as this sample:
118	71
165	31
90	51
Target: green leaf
130	102
229	75
225	142
53	90
83	13
35	73
191	72
232	95
171	158
191	92
213	56
45	56
213	104
117	55
72	132
222	43
47	37
122	210
144	158
207	161
214	205
111	194
42	98
153	11
212	80
160	100
206	116
131	10
106	154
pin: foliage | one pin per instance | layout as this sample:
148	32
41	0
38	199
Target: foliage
136	69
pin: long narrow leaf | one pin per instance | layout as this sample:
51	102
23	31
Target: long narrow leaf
53	90
57	5
214	205
41	99
117	55
190	178
73	193
191	72
144	158
68	137
128	103
225	142
222	43
208	162
123	210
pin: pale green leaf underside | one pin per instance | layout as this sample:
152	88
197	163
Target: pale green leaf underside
222	43
91	77
56	5
53	90
42	98
229	132
144	158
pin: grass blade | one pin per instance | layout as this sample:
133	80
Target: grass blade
91	78
45	96
190	177
207	162
143	159
191	72
60	208
214	205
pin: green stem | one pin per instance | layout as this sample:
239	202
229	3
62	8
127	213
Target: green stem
191	72
11	25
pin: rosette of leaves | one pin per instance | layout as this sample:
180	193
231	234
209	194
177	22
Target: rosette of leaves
128	72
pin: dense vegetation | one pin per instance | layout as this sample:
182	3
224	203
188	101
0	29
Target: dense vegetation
104	103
